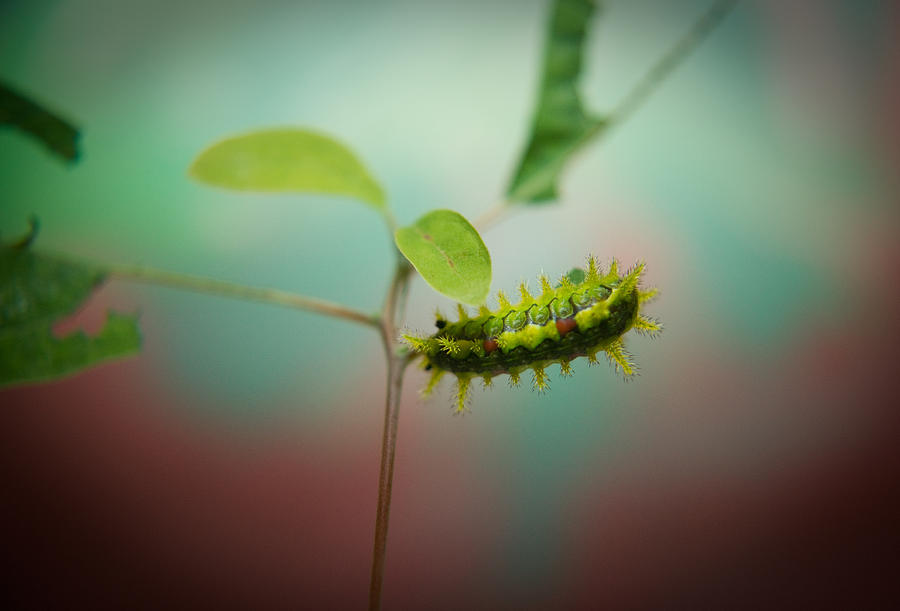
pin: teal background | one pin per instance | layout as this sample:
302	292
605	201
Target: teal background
235	460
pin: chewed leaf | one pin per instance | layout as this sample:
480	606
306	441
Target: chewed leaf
36	288
287	160
31	353
449	254
561	125
37	291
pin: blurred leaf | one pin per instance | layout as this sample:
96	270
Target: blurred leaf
33	354
449	254
37	291
285	160
561	125
57	134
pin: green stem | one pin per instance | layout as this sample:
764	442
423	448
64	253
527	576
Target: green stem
385	480
149	275
491	215
671	60
393	307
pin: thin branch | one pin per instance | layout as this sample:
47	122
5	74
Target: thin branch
402	300
148	275
492	215
390	222
386	479
397	362
395	303
676	55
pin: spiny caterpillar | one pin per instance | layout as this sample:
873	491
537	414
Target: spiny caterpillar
557	326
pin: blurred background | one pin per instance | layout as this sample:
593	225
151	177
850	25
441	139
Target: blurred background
234	462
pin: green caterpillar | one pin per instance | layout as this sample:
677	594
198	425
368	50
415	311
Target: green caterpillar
557	326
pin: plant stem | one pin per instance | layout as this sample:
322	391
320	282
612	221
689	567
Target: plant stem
148	275
396	365
662	68
386	478
491	215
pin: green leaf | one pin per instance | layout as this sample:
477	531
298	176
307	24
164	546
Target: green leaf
56	133
449	254
37	291
561	125
287	160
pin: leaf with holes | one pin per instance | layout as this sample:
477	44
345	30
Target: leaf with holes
36	291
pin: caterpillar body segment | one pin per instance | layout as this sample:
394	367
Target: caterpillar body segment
555	327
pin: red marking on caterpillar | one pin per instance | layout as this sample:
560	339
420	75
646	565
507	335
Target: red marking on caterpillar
564	325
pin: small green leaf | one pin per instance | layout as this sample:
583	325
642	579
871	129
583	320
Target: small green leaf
287	160
561	126
56	133
37	291
449	254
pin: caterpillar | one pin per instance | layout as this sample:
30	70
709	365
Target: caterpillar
560	324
